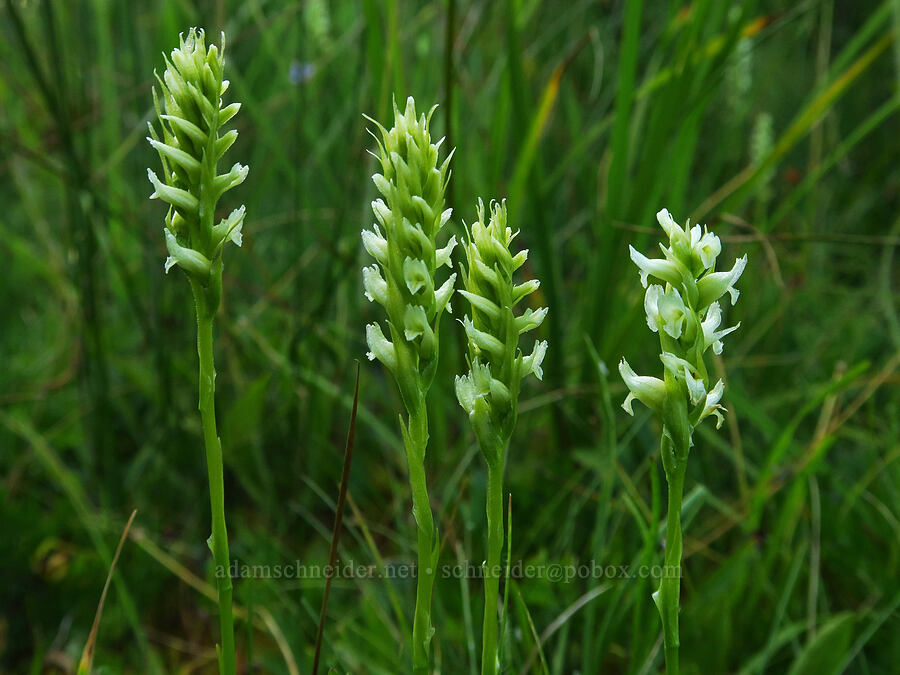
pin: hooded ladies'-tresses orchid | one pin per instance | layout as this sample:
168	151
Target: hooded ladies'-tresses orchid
685	312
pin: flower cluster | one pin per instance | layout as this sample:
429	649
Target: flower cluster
687	315
489	392
409	215
189	147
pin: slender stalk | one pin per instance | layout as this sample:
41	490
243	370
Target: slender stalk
417	442
218	541
191	115
668	595
412	184
489	393
489	660
688	316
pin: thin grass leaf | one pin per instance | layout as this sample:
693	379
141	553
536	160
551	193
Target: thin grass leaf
338	517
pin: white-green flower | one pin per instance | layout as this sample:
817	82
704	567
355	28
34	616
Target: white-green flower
666	270
715	284
711	336
665	310
705	245
685	312
711	404
650	391
380	347
532	363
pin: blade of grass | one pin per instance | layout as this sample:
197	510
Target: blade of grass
263	619
538	647
561	620
73	490
87	654
338	517
736	189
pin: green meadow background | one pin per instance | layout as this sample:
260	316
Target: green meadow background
774	122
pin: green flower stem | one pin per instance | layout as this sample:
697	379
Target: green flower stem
489	393
218	542
416	444
667	598
489	658
190	145
687	316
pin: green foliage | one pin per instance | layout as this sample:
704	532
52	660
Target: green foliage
587	116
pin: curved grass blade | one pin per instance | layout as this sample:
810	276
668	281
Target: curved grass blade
338	517
87	655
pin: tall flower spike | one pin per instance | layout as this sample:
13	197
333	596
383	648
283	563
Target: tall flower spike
489	393
190	142
686	315
409	216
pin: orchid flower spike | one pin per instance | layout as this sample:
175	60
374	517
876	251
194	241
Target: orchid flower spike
190	142
685	311
489	392
409	216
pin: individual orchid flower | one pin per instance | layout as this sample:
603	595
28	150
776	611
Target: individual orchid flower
711	404
665	310
651	391
711	336
715	284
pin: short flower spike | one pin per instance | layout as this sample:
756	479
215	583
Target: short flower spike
190	142
685	312
493	329
409	216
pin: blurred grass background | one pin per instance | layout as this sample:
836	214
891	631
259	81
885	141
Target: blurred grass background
775	122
